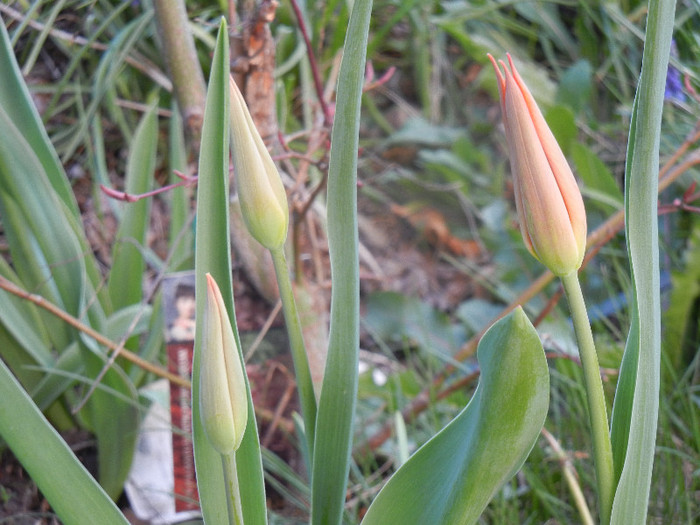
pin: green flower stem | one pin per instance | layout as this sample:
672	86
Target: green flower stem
233	494
602	449
296	341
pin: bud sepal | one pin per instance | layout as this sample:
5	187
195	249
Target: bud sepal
260	190
223	394
549	203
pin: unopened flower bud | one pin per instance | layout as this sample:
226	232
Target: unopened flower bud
260	189
548	200
223	395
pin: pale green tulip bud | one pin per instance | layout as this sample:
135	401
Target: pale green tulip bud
223	400
548	200
260	189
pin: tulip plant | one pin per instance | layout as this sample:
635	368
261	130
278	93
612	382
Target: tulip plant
452	478
553	224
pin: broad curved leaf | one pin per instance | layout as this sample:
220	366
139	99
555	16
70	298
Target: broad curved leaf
451	479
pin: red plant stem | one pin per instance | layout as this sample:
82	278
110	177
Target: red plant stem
327	117
130	197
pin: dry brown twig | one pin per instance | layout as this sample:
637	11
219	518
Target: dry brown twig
41	302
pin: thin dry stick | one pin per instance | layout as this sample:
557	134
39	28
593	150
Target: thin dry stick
134	322
142	108
604	233
570	477
38	300
263	331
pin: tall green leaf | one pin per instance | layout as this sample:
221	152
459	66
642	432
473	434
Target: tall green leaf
181	236
17	103
71	490
337	402
213	255
46	252
453	476
50	258
126	274
38	207
635	411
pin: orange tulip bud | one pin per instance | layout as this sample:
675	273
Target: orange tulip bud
548	200
223	396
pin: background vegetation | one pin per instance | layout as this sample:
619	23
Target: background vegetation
441	255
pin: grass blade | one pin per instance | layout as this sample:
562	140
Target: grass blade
125	287
105	76
181	242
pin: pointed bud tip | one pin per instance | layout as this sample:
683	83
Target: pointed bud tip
548	200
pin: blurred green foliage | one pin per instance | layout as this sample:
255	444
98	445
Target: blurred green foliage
430	138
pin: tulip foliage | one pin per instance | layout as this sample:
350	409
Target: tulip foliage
513	365
485	445
553	225
450	479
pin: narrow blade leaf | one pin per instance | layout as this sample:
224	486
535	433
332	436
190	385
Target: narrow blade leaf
636	408
213	255
337	402
125	287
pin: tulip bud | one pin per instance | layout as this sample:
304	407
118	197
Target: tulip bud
260	190
548	200
223	399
